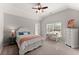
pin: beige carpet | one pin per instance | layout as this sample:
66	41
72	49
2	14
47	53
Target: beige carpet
54	48
48	48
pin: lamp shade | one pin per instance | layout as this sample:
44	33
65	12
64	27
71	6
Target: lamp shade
13	33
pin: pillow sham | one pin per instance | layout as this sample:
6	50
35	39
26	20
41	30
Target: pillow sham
23	33
20	33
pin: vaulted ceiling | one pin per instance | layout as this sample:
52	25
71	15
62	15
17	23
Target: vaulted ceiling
25	9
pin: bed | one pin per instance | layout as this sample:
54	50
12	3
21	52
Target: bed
27	42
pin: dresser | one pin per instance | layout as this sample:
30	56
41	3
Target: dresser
72	38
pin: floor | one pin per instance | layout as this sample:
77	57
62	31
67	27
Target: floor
54	48
49	48
10	50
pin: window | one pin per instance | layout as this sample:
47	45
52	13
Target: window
50	28
54	28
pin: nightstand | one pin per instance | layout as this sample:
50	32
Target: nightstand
12	40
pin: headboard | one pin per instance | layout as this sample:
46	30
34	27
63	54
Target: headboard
23	31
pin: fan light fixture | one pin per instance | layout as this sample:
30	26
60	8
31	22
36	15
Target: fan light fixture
39	8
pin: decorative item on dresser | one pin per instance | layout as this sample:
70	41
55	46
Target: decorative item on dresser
71	23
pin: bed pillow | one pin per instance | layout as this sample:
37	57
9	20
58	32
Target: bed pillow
20	33
24	33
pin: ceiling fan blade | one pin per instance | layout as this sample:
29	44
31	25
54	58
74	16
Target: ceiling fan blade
44	7
34	8
37	8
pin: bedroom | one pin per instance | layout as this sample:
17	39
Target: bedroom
24	21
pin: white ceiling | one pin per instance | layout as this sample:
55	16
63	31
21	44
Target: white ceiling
25	9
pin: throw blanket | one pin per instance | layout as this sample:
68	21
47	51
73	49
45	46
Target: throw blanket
27	37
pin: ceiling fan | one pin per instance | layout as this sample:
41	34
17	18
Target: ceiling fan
39	7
